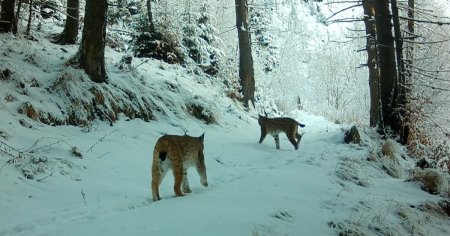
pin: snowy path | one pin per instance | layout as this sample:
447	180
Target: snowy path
254	188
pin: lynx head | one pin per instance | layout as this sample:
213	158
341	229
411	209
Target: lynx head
261	119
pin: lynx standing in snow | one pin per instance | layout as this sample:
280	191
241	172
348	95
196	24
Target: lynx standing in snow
177	153
274	126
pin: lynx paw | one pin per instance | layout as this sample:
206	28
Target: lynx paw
186	190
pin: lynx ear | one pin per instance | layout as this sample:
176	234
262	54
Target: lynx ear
202	137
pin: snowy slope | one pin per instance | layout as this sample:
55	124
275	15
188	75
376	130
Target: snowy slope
324	188
254	188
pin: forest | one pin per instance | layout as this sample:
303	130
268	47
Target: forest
375	70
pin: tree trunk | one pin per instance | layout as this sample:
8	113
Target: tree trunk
92	47
7	16
30	15
151	24
399	115
374	74
405	134
70	32
386	56
246	74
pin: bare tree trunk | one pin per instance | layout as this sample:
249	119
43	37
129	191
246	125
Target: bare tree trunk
30	15
7	15
92	48
374	74
388	70
151	25
398	122
409	48
246	73
70	33
405	134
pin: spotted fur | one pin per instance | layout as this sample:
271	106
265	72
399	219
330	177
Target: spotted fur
177	153
274	126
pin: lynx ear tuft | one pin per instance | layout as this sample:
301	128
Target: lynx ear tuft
202	137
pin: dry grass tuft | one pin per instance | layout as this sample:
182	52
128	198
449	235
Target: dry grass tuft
201	113
388	149
28	110
431	180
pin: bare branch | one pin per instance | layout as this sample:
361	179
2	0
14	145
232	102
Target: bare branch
101	140
344	9
425	21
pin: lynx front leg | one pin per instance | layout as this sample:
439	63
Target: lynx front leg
277	140
185	183
299	137
263	135
292	140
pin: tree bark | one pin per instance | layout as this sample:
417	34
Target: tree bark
388	70
30	15
374	74
7	16
399	118
151	24
70	33
246	73
409	57
92	47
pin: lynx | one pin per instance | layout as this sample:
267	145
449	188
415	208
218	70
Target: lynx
177	153
274	126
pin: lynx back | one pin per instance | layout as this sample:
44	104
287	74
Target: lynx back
177	153
274	126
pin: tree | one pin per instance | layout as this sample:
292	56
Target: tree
91	53
386	58
399	118
70	32
151	24
246	73
374	75
7	15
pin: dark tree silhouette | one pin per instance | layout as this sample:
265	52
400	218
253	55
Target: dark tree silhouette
91	54
70	32
7	15
246	73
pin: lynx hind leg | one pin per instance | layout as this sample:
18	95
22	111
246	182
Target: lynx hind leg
277	140
177	169
185	183
201	169
158	172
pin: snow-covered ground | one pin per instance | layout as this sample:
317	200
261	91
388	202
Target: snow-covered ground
254	188
324	188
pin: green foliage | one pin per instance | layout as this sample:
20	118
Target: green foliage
198	38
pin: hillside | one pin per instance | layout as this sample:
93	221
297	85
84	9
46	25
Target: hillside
94	178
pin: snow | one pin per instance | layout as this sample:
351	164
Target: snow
254	188
324	188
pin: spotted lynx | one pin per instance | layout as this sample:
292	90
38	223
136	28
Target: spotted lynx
274	126
177	153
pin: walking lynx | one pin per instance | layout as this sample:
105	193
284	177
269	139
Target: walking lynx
177	153
274	126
